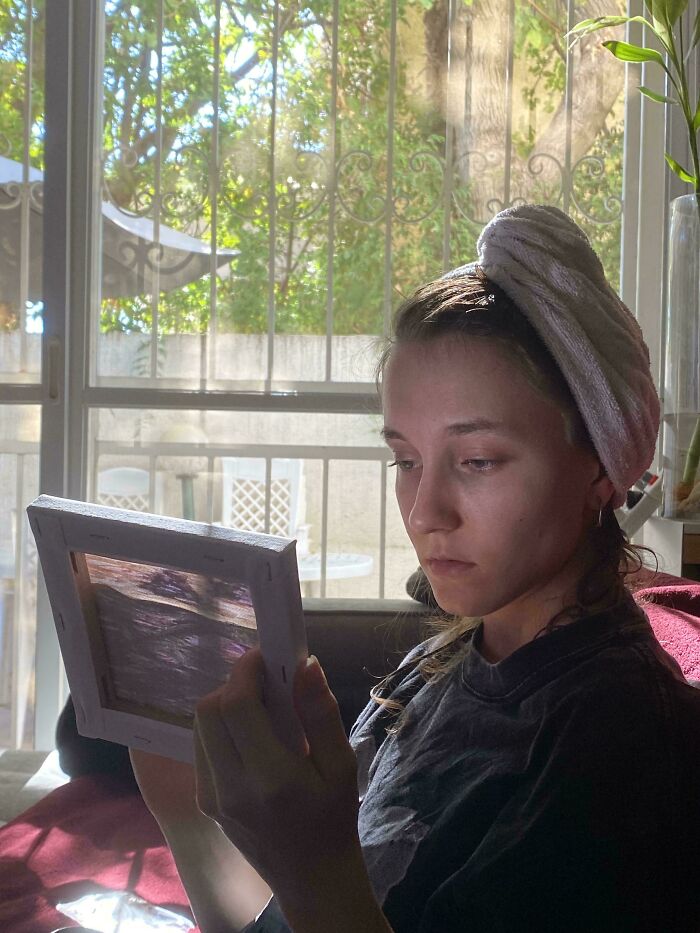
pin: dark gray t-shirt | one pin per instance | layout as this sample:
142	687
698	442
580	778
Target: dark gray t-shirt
557	791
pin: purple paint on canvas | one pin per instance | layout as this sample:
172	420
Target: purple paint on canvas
170	635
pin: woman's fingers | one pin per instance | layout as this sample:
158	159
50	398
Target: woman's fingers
236	735
243	712
239	753
318	710
265	796
218	765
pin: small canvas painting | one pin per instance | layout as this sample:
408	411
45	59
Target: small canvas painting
169	636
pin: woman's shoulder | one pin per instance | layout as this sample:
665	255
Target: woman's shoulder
628	699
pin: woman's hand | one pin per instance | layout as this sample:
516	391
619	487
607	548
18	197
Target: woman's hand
293	816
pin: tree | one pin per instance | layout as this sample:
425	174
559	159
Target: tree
174	148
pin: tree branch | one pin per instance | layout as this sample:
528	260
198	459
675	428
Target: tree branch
247	66
552	23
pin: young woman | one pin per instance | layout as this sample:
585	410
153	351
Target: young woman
535	766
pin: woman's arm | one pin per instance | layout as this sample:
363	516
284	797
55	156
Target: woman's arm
340	899
225	893
294	816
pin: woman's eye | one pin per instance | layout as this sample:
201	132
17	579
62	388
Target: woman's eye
480	465
404	465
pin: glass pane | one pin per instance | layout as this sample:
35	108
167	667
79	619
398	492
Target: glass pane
273	187
21	181
241	469
19	484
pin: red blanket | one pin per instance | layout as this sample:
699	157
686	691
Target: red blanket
89	835
92	834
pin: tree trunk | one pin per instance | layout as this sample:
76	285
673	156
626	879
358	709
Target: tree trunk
598	80
472	101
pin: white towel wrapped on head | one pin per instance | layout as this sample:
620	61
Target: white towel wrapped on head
544	263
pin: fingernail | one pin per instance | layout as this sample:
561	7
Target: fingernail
314	678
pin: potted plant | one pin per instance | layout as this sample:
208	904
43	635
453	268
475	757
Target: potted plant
681	446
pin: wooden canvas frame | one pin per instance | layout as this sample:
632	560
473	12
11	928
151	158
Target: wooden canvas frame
150	611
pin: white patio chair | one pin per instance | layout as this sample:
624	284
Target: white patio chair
129	488
243	506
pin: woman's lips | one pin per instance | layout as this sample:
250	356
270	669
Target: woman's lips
446	567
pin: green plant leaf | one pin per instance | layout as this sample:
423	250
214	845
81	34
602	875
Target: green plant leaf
696	33
598	22
633	53
679	170
659	98
671	10
587	26
696	119
658	13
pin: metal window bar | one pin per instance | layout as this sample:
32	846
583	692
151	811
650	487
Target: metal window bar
331	185
324	525
208	357
389	211
157	195
151	483
268	493
630	175
25	189
452	91
272	201
568	104
508	145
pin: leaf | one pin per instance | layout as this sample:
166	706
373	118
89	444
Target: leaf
659	98
671	10
657	10
534	38
587	26
679	170
696	119
598	22
696	32
633	53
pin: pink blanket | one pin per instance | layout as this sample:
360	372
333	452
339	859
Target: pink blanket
673	608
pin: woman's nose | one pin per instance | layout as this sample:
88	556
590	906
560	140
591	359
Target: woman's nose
434	507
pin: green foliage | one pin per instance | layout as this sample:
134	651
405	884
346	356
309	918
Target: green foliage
21	81
665	16
633	53
679	170
187	136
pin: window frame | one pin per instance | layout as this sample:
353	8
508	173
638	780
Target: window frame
71	257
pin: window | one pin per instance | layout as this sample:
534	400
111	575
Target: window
253	187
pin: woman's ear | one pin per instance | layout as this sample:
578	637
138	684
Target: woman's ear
601	490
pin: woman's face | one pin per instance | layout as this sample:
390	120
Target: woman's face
494	497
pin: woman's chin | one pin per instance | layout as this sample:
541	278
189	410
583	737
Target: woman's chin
456	604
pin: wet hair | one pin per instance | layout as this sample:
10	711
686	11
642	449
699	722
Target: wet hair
472	307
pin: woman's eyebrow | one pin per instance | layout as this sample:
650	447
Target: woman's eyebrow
459	427
477	424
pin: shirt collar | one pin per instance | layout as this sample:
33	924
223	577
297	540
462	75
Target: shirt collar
545	657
